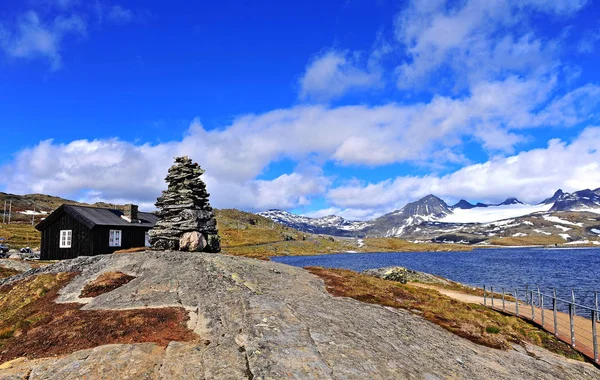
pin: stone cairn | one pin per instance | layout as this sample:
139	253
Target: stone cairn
186	220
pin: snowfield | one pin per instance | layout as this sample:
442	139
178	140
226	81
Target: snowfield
493	213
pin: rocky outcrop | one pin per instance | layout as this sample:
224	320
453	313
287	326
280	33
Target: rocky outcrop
404	275
187	221
257	319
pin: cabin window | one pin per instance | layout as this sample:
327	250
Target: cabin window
114	238
65	239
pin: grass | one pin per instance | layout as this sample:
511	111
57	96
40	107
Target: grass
20	235
8	272
473	322
33	325
527	240
399	245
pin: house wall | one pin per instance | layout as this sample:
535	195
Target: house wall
81	243
131	237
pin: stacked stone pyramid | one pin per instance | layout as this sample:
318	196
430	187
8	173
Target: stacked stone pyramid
186	220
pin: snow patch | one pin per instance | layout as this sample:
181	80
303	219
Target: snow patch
542	232
519	234
492	213
527	222
33	212
565	236
595	231
556	219
578	242
563	228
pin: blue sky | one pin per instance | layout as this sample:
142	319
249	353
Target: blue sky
349	107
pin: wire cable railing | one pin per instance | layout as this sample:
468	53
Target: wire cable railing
571	322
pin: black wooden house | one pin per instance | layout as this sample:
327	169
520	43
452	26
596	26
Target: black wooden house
72	231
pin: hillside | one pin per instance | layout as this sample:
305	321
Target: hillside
197	315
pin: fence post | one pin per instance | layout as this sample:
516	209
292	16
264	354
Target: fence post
573	299
542	307
596	298
572	323
492	291
516	303
594	334
484	296
554	312
503	303
532	306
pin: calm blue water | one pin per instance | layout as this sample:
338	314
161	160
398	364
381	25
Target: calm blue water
563	269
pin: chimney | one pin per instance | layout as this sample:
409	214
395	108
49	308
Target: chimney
131	213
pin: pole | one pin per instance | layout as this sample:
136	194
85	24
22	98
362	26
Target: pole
573	299
594	334
572	323
532	307
554	312
596	298
492	291
542	307
9	211
484	296
503	303
516	303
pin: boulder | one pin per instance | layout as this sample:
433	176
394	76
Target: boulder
404	275
192	242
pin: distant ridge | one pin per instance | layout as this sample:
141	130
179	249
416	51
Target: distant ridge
431	211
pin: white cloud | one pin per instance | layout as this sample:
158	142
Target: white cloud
475	39
530	176
31	37
334	73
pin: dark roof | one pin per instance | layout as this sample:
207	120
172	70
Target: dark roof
95	216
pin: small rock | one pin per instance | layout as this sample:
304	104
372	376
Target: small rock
192	242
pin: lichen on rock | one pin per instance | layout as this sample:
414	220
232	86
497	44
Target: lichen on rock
186	219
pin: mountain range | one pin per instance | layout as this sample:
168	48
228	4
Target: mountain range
430	217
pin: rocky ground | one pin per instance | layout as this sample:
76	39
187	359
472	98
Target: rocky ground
258	320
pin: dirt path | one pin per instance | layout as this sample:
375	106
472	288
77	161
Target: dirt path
582	326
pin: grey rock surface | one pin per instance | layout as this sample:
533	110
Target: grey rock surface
264	320
16	264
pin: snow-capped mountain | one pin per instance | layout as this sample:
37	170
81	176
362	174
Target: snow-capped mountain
582	200
330	225
432	215
463	205
393	224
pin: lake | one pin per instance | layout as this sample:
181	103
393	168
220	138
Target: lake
563	269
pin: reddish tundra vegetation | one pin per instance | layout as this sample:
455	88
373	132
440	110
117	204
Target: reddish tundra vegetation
33	325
